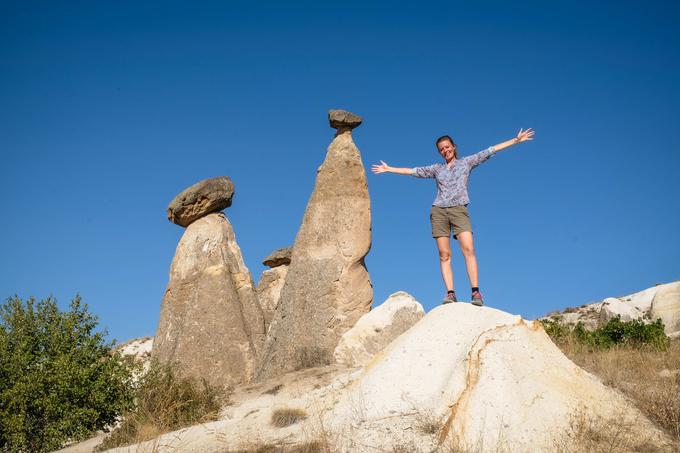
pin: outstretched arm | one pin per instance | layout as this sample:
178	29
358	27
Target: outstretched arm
522	136
384	168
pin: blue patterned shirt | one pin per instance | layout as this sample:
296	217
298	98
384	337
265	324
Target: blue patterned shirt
452	182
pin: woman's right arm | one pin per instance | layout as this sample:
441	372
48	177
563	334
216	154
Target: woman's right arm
384	168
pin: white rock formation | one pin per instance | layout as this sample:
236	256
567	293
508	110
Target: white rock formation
483	379
634	306
489	379
612	306
378	328
666	305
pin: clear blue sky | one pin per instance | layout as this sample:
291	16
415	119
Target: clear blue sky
108	109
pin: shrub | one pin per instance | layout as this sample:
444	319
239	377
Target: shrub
59	379
166	401
634	333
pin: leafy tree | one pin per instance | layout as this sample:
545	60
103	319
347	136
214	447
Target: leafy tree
59	379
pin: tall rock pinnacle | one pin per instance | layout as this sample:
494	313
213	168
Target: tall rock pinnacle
327	287
211	323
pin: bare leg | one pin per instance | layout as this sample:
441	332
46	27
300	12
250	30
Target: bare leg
468	248
444	247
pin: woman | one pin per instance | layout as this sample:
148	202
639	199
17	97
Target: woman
449	209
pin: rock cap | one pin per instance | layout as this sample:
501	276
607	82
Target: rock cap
201	199
278	257
343	120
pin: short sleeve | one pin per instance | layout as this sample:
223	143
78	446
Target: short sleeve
425	172
480	157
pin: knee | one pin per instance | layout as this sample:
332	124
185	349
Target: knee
444	255
468	251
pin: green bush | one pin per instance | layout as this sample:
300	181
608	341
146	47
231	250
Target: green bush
634	333
59	379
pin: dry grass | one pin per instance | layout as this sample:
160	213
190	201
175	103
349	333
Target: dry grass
315	446
427	423
165	401
614	434
311	357
287	416
636	372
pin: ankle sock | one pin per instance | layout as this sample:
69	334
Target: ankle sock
475	288
451	291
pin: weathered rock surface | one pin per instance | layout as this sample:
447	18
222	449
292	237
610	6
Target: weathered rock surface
343	120
634	306
327	288
611	307
210	322
278	257
204	197
490	380
377	329
463	379
269	291
666	305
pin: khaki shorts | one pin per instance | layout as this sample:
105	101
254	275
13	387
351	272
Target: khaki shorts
445	219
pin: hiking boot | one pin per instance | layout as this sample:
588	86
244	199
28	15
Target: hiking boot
449	298
477	299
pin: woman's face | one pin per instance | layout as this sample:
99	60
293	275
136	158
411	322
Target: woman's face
446	150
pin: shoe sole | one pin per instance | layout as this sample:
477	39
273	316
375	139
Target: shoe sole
477	303
448	301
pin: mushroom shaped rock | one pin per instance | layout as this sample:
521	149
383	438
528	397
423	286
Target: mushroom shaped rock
327	287
211	323
378	328
342	120
486	379
203	198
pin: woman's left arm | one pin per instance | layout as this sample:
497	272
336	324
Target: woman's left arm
522	136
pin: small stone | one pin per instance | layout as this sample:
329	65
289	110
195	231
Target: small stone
204	197
279	257
343	120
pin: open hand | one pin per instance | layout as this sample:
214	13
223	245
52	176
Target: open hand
525	135
382	168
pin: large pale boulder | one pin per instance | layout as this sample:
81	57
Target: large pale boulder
666	305
203	198
327	287
486	380
211	322
378	328
612	306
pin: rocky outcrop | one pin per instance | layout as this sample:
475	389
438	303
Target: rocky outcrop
462	379
327	287
377	329
204	197
211	322
487	380
666	305
280	257
631	307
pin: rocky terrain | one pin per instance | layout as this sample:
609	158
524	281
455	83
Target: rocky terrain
309	363
658	302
